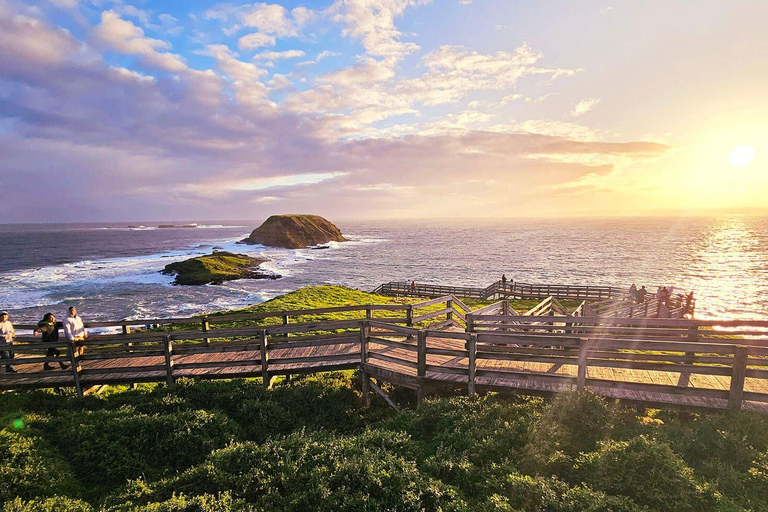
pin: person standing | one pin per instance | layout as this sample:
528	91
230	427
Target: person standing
7	333
75	331
641	293
503	280
49	328
633	292
413	286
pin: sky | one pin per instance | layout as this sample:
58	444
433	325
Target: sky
130	110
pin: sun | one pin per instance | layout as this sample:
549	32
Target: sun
741	156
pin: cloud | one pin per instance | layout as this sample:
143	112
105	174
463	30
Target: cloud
372	22
288	54
268	19
584	106
607	9
124	37
124	137
255	40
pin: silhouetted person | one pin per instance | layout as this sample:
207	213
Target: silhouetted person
503	280
633	292
689	303
641	293
413	286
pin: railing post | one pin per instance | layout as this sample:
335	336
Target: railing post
206	328
505	307
365	333
264	359
581	376
421	353
472	358
75	365
365	382
738	376
449	305
368	313
168	353
470	322
285	322
409	316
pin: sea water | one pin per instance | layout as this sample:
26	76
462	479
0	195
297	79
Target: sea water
112	271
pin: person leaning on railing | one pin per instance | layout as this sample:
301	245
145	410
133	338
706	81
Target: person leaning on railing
7	333
75	331
49	328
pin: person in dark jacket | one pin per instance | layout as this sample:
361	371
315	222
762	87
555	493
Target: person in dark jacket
49	328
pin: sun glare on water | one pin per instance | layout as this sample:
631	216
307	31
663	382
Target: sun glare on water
741	156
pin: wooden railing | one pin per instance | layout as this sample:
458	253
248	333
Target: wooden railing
507	290
715	364
681	357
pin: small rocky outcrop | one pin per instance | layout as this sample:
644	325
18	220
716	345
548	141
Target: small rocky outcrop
295	232
216	268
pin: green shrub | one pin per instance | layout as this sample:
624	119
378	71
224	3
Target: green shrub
646	471
31	468
55	504
327	402
108	447
573	423
729	450
181	503
311	472
534	494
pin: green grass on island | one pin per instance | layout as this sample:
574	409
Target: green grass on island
213	268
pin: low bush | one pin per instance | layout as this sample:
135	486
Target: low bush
182	503
316	472
32	468
55	504
518	492
108	447
648	472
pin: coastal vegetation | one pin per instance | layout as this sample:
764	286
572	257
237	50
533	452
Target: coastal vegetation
215	268
295	232
308	444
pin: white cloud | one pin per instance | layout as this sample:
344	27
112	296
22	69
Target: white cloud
372	22
606	10
255	40
584	106
288	54
270	19
556	129
124	37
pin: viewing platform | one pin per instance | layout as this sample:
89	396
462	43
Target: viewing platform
437	344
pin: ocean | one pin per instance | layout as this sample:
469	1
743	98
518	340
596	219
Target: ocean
111	271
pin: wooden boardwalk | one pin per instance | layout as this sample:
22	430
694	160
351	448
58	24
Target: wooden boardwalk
652	362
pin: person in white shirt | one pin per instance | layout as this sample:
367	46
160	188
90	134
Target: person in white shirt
7	333
75	331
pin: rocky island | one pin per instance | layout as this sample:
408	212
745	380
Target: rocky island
217	267
295	232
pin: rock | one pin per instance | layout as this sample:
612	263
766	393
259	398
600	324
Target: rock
216	268
295	232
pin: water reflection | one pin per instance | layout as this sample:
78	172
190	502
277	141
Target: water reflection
728	269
